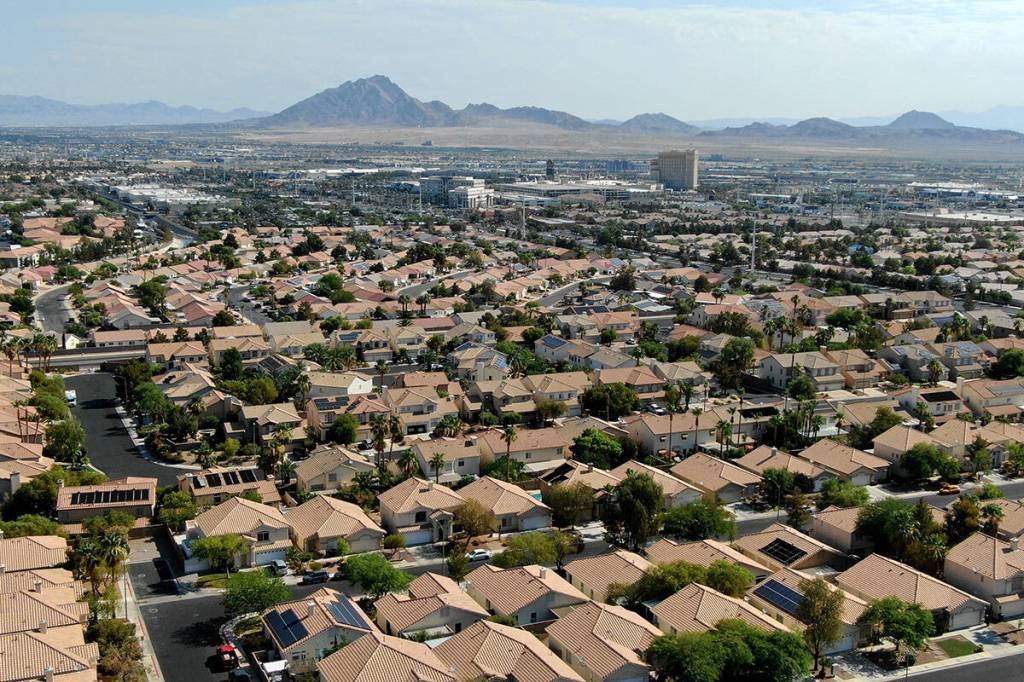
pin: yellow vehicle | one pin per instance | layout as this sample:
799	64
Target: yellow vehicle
949	489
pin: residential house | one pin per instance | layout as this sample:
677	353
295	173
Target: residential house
492	651
250	348
1003	398
264	527
261	422
461	457
962	359
991	569
375	657
837	527
373	346
778	546
716	478
175	354
476	362
859	370
434	605
681	433
848	464
514	508
421	409
537	449
766	457
32	552
329	468
878	576
779	596
942	403
779	369
643	380
677	491
703	553
891	444
697	608
306	630
322	522
527	594
593	575
212	486
420	510
603	643
339	384
132	495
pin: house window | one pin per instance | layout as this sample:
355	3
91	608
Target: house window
421	517
533	616
504	522
332	477
462	462
262	536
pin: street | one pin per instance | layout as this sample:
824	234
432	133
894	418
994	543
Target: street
107	443
1003	669
50	313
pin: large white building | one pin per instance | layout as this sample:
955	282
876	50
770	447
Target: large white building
456	192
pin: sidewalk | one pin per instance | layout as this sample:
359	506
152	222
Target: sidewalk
134	615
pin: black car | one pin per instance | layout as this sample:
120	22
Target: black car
314	577
239	675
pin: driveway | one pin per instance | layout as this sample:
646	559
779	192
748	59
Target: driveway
110	448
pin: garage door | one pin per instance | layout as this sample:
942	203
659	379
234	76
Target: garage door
536	521
419	537
265	558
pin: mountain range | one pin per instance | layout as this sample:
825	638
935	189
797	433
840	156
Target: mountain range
40	111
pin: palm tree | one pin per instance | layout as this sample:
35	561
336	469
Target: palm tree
382	368
688	391
407	462
817	421
436	463
379	436
285	469
10	348
840	420
422	300
509	435
396	433
724	431
672	397
302	389
992	515
404	300
114	551
88	560
935	370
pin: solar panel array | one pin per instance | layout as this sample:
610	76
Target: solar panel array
218	479
779	595
109	496
782	551
346	612
286	627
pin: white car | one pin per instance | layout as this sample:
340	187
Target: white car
479	555
71	397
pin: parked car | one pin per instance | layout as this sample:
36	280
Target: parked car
239	675
313	577
949	489
279	567
71	397
228	656
479	555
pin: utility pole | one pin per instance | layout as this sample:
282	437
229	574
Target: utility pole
753	249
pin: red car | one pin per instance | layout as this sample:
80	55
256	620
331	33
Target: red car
228	656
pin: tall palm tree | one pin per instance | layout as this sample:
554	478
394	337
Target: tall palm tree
672	397
407	462
724	431
114	549
382	368
285	469
422	300
436	463
396	433
89	563
688	391
302	388
509	435
840	421
992	514
379	436
404	300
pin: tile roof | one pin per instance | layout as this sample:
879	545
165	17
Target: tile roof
842	458
600	571
428	594
375	657
414	493
239	515
670	485
702	553
754	544
697	608
985	555
34	551
328	517
316	615
876	576
606	637
488	650
27	656
502	498
713	474
511	589
853	606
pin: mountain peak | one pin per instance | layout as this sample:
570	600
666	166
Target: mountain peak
658	123
920	120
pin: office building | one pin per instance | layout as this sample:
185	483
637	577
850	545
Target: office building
676	169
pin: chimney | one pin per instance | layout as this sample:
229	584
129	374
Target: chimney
37	586
15	481
311	608
430	485
543	572
60	482
3	569
775	451
48	673
1015	543
42	627
590	467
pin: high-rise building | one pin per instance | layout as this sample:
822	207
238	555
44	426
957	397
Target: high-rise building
676	169
549	170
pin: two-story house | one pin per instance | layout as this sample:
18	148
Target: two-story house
420	510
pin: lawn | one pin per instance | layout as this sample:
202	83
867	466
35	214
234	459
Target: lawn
212	580
956	646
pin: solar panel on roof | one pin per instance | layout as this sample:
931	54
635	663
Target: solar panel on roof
346	612
248	475
213	480
198	482
779	595
783	551
279	629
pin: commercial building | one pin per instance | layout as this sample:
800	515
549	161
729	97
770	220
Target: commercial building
676	169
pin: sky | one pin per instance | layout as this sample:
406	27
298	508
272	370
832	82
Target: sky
594	58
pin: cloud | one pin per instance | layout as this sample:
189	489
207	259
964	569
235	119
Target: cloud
603	59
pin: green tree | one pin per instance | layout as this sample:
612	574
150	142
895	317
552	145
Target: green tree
475	519
776	484
597	448
231	366
821	611
904	624
634	510
65	442
610	401
728	578
458	566
375	575
31	524
569	502
699	520
801	387
839	493
344	429
220	550
526	549
176	507
736	357
249	591
660	582
1008	365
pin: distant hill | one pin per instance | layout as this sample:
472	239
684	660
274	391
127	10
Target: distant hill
910	128
16	110
657	124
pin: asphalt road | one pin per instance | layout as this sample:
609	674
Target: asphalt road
50	312
1005	669
106	440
